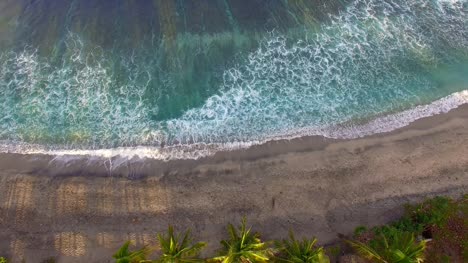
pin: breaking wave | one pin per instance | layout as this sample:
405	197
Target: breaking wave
382	63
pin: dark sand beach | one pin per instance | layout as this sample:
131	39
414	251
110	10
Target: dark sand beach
79	211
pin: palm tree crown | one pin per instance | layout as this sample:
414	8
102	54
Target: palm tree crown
179	249
124	255
400	247
243	246
295	251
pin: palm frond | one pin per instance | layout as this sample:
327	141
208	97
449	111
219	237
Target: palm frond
366	251
123	251
232	231
295	251
396	247
179	248
124	255
243	246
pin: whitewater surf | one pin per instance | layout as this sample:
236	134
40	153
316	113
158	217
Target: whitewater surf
351	69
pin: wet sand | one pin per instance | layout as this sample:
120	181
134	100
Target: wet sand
81	211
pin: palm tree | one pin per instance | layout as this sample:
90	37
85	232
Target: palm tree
295	251
179	249
124	255
243	246
400	247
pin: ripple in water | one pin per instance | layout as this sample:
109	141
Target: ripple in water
371	69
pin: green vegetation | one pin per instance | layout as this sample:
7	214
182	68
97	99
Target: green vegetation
295	251
179	249
243	246
434	231
449	234
421	217
174	249
49	260
124	255
359	230
441	220
393	248
3	260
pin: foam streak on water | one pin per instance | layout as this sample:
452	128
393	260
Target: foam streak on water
198	150
382	63
375	58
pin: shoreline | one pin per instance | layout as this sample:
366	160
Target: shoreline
383	124
118	166
77	211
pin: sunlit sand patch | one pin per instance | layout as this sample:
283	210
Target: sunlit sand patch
140	239
70	244
132	199
19	199
70	198
107	240
155	199
17	248
143	199
104	201
135	199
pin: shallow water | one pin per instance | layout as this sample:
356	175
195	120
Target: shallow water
204	75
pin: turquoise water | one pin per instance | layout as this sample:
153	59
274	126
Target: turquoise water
169	73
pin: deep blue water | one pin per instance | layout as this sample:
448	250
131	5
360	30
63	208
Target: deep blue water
104	74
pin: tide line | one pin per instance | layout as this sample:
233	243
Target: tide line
382	124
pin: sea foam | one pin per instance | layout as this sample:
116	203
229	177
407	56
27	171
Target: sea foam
376	62
195	151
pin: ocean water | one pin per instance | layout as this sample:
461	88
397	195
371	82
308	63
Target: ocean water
171	79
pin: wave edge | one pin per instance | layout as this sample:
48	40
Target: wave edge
196	151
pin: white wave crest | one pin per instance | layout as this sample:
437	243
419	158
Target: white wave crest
373	58
195	151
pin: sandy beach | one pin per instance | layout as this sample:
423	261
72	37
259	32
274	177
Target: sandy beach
79	211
